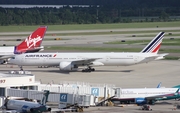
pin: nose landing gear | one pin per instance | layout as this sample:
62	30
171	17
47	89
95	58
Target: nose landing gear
21	68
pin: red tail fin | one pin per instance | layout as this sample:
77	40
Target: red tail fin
32	42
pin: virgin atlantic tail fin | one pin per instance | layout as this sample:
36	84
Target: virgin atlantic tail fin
33	42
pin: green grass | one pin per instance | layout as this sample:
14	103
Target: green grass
159	31
172	42
21	28
102	49
137	33
171	58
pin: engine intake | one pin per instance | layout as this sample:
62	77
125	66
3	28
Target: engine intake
140	101
67	66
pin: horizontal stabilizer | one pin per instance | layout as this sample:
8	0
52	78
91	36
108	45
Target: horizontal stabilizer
161	56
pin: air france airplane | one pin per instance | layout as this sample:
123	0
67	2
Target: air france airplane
72	61
31	44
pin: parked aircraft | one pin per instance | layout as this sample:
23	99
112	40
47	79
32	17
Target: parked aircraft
31	44
177	96
144	95
21	106
72	61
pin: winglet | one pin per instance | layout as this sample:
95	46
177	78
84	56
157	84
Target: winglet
154	45
32	42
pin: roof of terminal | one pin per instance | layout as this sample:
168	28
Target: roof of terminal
16	74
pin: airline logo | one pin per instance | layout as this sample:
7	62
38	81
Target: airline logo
95	91
31	42
154	45
54	55
63	97
40	55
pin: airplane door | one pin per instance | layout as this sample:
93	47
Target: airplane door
136	58
107	58
22	59
45	60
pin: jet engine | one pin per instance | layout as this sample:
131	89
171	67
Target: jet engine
27	109
140	101
3	61
67	66
48	109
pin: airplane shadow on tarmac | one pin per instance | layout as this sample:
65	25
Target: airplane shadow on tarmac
67	72
126	71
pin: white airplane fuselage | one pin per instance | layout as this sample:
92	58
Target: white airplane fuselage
19	104
7	50
106	59
147	92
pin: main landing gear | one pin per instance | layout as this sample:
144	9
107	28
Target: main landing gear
21	68
89	69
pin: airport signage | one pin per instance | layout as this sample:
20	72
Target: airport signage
2	81
95	91
63	97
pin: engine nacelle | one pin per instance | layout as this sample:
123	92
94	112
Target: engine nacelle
3	61
67	66
27	109
140	101
48	109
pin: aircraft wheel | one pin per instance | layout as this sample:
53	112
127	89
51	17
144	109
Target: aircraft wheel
86	70
92	69
89	70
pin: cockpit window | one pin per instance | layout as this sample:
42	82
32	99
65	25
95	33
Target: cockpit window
13	57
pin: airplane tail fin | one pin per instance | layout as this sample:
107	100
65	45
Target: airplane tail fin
159	85
178	86
154	45
33	42
45	97
177	92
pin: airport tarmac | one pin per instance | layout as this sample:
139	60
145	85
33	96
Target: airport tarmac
159	107
140	75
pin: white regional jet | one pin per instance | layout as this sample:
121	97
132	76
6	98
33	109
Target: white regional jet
31	44
144	95
21	106
71	61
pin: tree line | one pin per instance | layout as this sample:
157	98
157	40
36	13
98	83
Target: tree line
118	3
85	15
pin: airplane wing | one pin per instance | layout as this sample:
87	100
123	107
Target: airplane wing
161	96
6	56
10	111
155	97
161	56
85	62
